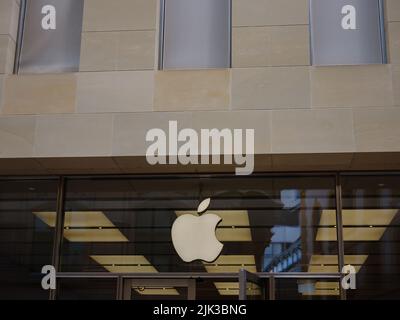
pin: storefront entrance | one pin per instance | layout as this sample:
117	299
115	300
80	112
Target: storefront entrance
279	236
242	286
159	289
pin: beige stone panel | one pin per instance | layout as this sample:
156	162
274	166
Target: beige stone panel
5	8
393	10
269	12
394	42
130	130
136	50
396	83
139	165
192	90
355	86
36	94
106	15
250	47
289	45
5	43
126	126
271	88
16	136
109	51
9	15
9	67
14	16
5	16
134	165
377	129
129	91
1	92
270	46
99	51
259	121
73	135
312	131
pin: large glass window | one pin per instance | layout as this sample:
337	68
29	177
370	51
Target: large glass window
268	224
371	222
279	224
195	34
26	241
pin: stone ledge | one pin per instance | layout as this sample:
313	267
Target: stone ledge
138	165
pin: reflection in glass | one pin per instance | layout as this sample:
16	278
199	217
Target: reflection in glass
87	289
371	222
255	291
268	224
307	289
26	242
218	289
158	292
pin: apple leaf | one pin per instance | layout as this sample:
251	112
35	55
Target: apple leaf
203	206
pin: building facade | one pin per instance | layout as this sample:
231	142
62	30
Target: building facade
77	191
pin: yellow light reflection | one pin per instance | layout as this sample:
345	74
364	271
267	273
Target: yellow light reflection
232	264
85	226
124	264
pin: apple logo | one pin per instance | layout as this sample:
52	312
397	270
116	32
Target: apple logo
194	237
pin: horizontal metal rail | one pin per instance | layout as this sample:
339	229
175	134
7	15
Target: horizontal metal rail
200	275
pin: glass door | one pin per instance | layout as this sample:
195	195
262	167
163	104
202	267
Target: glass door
159	289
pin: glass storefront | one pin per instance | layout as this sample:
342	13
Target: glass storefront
281	235
371	234
124	225
26	242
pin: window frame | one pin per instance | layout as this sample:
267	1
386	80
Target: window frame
161	40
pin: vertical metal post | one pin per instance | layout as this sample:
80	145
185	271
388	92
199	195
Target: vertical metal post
20	35
383	31
272	288
311	50
58	236
127	289
191	289
242	284
161	35
339	229
120	288
230	34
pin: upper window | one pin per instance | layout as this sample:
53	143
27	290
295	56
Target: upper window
50	36
195	34
347	32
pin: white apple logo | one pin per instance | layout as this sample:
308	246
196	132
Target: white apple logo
194	236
